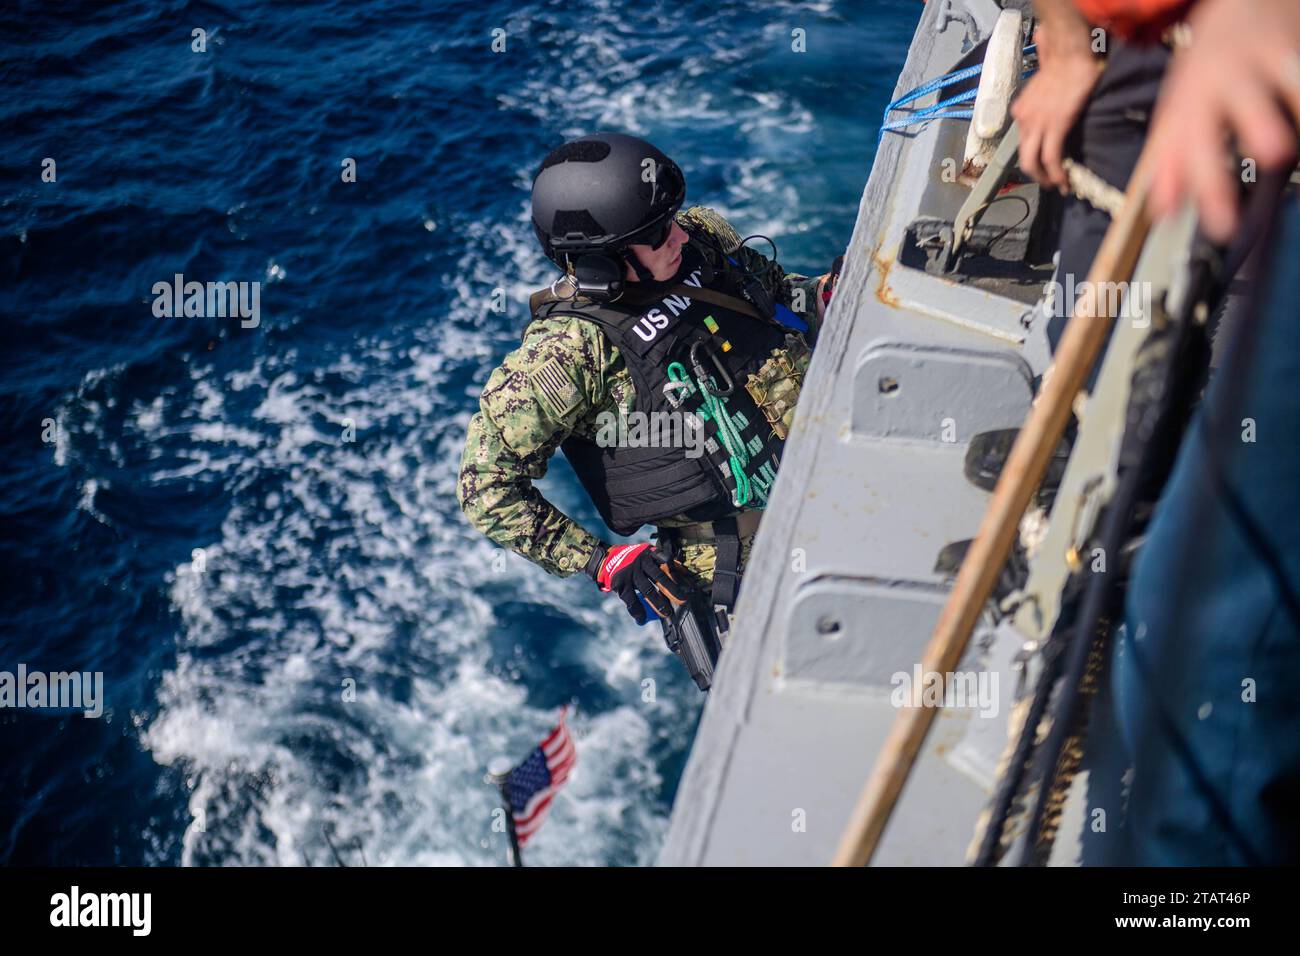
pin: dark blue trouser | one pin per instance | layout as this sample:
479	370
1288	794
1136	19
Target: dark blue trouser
1206	675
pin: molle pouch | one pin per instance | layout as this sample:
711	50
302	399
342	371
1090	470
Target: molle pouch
775	386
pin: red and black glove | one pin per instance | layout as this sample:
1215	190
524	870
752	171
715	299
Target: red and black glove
832	280
641	577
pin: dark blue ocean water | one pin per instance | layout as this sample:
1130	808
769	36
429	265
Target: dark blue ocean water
187	443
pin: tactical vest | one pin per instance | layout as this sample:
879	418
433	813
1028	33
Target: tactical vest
686	357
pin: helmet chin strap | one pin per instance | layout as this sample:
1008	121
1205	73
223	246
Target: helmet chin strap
642	273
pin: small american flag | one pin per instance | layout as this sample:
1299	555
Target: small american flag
532	785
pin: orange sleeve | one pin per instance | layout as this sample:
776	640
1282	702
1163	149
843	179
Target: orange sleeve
1133	19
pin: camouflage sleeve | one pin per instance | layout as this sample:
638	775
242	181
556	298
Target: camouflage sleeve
791	289
529	405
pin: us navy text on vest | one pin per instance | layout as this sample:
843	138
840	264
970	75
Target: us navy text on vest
654	321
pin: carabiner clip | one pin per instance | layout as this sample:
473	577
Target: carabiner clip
705	380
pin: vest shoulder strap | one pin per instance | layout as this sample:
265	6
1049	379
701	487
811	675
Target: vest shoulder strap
610	319
543	297
713	297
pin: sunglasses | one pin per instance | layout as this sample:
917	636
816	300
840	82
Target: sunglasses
656	235
669	188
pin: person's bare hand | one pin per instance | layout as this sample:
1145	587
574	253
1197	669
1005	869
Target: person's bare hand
1049	105
821	287
1237	83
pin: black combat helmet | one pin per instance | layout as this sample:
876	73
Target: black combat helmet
601	193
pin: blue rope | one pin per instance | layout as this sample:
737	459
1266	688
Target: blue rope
939	110
944	104
901	124
940	83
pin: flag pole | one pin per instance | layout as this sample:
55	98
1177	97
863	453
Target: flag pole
498	770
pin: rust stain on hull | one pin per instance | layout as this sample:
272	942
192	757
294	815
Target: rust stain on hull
883	292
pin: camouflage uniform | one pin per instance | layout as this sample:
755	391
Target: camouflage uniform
523	417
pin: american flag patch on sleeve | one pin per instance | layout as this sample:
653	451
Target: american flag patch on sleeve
554	388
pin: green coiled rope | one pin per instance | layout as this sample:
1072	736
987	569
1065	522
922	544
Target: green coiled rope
715	405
